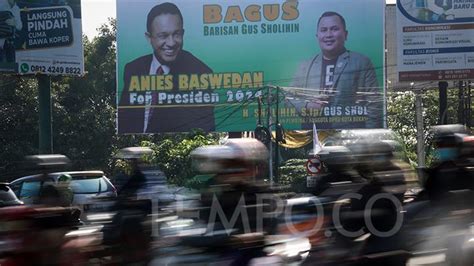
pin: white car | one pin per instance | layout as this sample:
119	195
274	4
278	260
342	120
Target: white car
89	188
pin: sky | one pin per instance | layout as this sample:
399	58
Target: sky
96	12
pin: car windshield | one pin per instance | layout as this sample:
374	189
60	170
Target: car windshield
88	185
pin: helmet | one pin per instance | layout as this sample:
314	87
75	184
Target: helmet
449	129
448	140
237	155
370	153
133	152
448	135
47	161
336	157
64	178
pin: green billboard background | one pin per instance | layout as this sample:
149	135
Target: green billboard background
277	55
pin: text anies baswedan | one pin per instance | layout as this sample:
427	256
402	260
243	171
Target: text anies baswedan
192	88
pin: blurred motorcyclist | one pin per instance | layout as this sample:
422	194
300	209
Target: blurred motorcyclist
367	169
66	194
47	225
136	180
339	164
449	200
448	172
49	196
235	166
131	230
377	164
383	174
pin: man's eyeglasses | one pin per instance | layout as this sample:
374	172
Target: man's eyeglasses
162	36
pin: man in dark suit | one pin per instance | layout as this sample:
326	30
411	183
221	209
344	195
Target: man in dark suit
165	33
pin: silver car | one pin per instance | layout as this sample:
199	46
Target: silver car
7	197
89	188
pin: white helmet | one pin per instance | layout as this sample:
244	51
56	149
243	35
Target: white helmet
237	155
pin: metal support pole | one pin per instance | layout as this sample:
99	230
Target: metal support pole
45	126
443	102
469	104
461	118
269	124
420	145
277	145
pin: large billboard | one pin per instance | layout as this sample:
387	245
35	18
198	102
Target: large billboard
41	37
435	40
204	64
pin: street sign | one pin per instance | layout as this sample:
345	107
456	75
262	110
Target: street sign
313	166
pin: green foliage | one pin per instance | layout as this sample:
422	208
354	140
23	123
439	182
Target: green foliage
171	154
84	107
19	119
299	153
83	110
401	118
293	174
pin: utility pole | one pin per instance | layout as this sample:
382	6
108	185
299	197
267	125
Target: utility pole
269	124
45	126
443	102
461	105
277	137
420	145
469	104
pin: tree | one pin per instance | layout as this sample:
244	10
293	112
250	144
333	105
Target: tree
19	116
84	117
401	117
293	174
84	107
172	154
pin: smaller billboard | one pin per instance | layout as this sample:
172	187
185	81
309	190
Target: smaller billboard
41	37
435	40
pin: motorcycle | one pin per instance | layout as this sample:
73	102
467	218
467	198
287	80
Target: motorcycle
41	236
